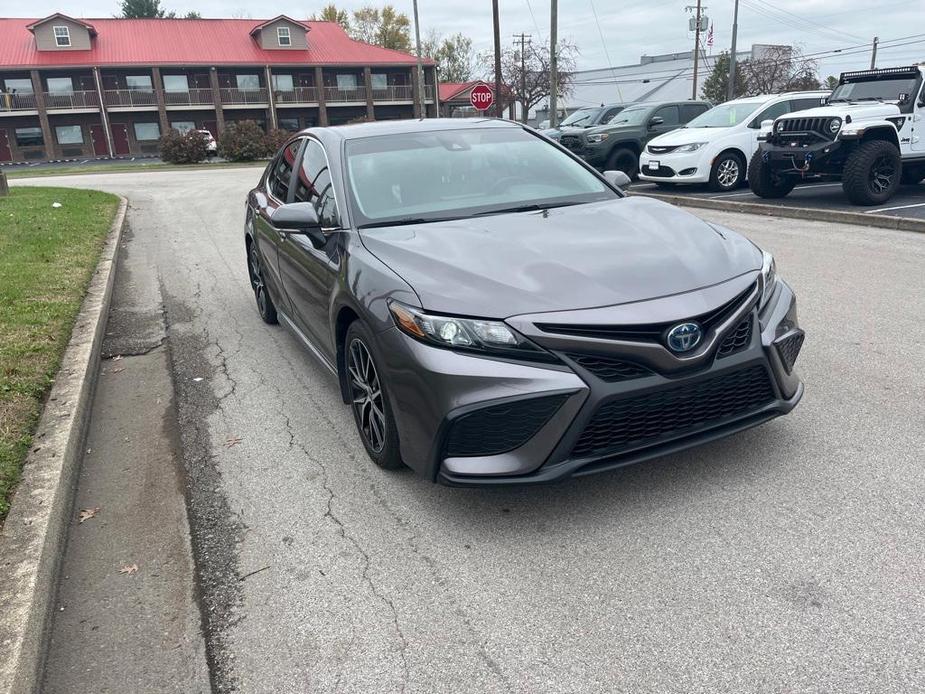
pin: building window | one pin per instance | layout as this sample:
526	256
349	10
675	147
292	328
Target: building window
69	135
145	132
29	137
346	81
139	83
20	86
282	83
62	37
380	80
176	83
283	36
290	124
247	82
60	85
184	126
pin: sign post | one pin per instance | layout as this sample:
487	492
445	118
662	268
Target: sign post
481	97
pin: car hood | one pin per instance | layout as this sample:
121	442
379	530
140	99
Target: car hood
610	129
857	110
585	256
685	136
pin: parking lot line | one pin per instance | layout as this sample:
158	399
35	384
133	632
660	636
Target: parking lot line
889	209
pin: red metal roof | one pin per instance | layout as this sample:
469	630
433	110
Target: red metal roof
450	90
190	42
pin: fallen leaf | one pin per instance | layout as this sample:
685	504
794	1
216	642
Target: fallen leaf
232	441
129	569
118	357
87	514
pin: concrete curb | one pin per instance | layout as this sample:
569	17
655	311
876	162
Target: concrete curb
804	213
33	537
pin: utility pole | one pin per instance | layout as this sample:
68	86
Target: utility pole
553	68
499	109
730	88
420	76
873	54
524	40
696	51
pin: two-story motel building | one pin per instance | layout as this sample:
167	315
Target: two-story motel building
84	88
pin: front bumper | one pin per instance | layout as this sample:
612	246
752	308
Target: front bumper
672	167
797	157
438	393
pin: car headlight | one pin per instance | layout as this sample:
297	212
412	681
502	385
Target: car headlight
594	138
834	125
469	334
692	147
768	277
779	126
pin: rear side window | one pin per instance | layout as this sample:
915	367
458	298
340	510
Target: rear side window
689	111
669	114
280	177
803	104
314	185
610	113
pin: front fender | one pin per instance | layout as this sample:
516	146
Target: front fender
869	130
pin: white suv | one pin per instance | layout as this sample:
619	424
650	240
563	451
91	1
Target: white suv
715	147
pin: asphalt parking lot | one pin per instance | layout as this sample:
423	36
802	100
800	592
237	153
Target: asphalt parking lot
908	202
785	559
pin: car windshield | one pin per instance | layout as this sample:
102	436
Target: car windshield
725	115
886	90
429	176
629	116
582	117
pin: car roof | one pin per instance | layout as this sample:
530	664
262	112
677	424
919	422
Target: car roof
400	127
761	98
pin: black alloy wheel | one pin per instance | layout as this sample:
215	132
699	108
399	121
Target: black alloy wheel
265	305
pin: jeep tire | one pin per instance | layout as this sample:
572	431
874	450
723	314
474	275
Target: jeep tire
625	160
872	172
765	182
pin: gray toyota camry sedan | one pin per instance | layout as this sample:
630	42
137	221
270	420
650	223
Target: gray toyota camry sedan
497	312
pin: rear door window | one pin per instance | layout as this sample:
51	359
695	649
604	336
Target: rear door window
691	111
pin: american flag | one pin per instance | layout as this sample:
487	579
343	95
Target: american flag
710	36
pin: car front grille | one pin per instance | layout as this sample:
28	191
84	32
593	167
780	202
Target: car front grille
672	412
661	149
572	142
662	171
804	128
737	339
788	347
500	428
609	369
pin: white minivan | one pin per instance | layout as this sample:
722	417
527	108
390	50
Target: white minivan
716	146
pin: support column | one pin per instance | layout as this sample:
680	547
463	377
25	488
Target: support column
416	92
104	116
217	100
436	93
368	81
271	99
51	147
161	101
322	106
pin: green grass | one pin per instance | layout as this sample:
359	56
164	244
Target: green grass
47	257
66	170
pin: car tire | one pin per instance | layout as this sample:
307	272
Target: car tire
371	413
912	175
872	173
625	160
764	182
265	306
727	172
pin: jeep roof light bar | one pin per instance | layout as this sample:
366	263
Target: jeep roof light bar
884	73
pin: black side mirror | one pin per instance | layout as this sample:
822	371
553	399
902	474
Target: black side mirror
299	218
655	120
618	179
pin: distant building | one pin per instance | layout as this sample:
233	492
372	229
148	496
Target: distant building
75	88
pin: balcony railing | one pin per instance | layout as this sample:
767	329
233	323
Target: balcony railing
395	92
298	95
17	102
129	97
60	100
333	95
244	96
188	97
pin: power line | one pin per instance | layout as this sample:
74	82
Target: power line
600	32
810	21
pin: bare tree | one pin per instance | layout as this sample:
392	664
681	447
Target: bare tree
526	79
779	69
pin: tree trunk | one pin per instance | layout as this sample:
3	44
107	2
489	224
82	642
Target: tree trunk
4	186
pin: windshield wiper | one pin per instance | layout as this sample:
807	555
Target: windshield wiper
532	207
868	98
404	221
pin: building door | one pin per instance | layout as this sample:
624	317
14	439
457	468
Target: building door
98	135
120	139
5	153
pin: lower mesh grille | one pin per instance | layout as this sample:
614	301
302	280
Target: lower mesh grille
737	340
500	428
789	348
609	369
672	412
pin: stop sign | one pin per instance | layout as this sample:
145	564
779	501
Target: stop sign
481	97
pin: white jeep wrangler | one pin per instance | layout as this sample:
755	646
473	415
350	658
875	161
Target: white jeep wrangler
870	134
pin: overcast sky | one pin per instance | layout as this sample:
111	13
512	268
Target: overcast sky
626	30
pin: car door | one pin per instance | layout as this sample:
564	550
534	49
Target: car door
309	269
671	120
769	112
276	191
